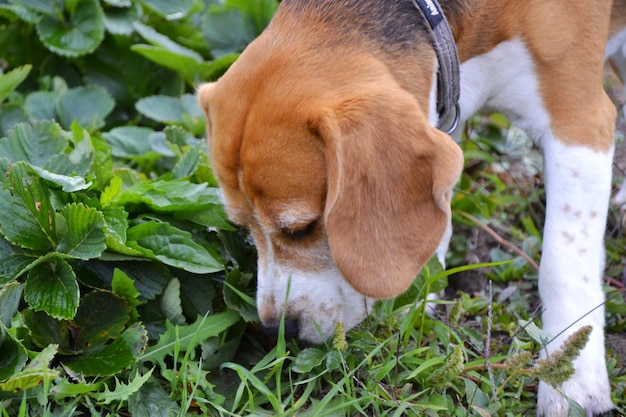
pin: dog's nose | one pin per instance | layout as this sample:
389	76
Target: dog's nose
291	329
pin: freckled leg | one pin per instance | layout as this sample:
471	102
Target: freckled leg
578	181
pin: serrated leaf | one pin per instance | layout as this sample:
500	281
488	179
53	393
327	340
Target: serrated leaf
34	373
31	223
101	316
45	330
52	287
164	109
13	78
88	105
76	34
130	141
119	3
172	246
123	286
13	260
119	20
18	11
188	162
168	9
111	191
121	353
41	105
170	196
171	303
35	143
67	184
186	337
122	392
86	232
116	220
65	389
50	8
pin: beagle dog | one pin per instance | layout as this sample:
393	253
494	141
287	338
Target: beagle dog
323	138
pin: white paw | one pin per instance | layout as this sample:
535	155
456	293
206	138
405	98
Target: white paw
589	389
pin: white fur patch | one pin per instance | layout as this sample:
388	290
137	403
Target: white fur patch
317	300
578	187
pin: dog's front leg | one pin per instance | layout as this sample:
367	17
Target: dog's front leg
578	182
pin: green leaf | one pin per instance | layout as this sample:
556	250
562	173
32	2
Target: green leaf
10	115
171	303
128	141
170	196
116	220
86	232
41	105
12	353
192	70
119	20
164	109
35	372
89	106
35	143
101	316
10	297
10	80
121	353
13	260
52	287
46	7
235	297
122	392
77	34
68	184
308	359
45	330
123	286
197	294
152	401
27	219
110	191
535	332
212	216
65	389
228	31
187	337
171	10
172	246
162	41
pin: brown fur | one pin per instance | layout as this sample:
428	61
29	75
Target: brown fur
328	109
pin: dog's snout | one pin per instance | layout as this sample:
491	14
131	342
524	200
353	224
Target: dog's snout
292	329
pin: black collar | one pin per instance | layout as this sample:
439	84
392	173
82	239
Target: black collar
448	79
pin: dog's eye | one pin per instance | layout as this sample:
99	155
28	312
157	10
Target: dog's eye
301	233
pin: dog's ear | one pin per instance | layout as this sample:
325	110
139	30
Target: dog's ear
390	178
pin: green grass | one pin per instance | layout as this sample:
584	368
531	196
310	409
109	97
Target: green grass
133	333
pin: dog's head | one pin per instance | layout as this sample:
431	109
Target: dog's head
337	173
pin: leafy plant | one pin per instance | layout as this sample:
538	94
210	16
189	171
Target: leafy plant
125	290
